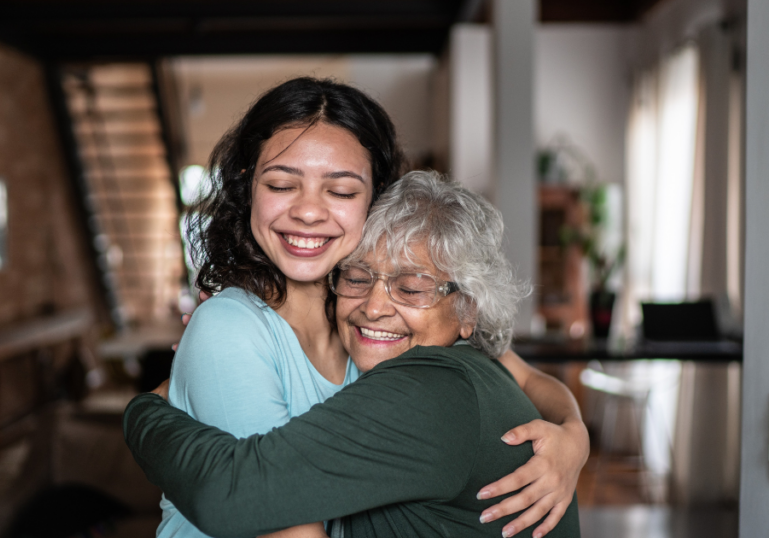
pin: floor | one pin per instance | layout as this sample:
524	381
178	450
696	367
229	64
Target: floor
613	505
648	521
86	448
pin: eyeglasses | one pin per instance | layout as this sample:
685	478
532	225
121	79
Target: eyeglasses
416	290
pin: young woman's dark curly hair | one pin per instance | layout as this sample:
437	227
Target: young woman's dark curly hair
221	242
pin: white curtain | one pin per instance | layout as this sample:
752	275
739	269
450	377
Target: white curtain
662	140
680	214
661	264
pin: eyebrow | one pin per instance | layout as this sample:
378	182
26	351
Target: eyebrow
343	173
297	172
287	169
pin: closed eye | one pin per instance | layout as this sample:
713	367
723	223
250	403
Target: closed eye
407	291
354	282
273	188
343	195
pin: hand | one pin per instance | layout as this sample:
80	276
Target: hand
162	389
548	479
203	296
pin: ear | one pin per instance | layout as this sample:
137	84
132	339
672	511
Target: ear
466	330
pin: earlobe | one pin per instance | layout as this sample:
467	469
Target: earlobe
466	330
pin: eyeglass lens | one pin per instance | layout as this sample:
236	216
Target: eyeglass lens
413	289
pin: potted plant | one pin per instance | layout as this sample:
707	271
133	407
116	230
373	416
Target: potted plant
603	251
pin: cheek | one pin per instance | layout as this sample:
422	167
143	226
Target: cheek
344	307
439	329
352	220
264	209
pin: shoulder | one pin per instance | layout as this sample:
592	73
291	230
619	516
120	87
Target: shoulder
445	373
233	325
235	300
429	374
232	310
229	352
452	361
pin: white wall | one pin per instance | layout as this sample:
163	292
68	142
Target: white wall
401	84
471	116
516	197
215	92
581	81
754	492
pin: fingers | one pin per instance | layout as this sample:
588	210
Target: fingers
523	500
528	518
534	513
162	389
186	317
204	296
520	478
536	429
185	321
552	519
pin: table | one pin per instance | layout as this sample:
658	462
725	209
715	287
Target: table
555	352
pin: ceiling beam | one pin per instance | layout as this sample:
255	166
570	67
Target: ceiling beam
594	11
89	29
472	10
72	30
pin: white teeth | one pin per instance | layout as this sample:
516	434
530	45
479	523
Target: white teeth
380	335
305	242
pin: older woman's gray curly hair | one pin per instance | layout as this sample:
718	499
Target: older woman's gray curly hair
463	233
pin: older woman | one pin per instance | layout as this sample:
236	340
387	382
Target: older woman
423	303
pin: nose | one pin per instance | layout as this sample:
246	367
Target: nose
309	209
378	304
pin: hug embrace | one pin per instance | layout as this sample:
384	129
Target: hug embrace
352	375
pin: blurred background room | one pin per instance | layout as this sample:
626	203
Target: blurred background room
611	135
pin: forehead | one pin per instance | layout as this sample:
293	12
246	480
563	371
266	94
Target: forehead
332	141
415	256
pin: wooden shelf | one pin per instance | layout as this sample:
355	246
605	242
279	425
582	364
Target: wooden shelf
562	298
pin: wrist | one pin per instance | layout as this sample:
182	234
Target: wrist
578	431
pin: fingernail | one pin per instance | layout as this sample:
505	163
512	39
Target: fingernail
508	438
508	532
538	535
485	518
483	494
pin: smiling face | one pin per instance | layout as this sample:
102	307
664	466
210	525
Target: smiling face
310	197
375	329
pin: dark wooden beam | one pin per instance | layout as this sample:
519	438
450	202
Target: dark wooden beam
128	29
601	11
71	29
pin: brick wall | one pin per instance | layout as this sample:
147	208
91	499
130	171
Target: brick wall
48	267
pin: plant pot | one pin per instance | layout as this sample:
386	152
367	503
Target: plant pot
601	307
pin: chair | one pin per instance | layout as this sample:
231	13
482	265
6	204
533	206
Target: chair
634	391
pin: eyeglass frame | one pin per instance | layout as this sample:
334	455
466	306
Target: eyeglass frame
443	288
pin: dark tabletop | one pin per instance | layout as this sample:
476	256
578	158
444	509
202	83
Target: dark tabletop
555	351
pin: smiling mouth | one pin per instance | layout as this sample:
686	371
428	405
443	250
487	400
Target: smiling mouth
305	242
380	335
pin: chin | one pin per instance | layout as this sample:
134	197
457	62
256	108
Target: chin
308	274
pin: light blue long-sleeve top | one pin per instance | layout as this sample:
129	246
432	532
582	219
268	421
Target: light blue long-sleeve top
240	367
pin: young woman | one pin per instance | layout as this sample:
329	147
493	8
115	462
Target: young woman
292	185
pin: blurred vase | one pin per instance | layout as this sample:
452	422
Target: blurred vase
601	307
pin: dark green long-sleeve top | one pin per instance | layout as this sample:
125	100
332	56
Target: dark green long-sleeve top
404	449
